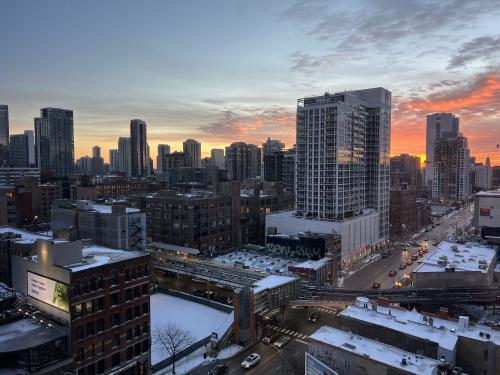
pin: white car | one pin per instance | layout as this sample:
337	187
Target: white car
251	360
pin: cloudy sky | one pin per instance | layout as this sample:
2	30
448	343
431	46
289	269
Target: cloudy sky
222	71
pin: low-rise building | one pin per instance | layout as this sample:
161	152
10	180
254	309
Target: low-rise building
456	265
350	354
115	226
473	347
487	213
359	236
100	295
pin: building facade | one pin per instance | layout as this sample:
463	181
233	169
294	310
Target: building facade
125	156
192	149
139	157
162	151
217	157
19	151
243	161
55	143
4	134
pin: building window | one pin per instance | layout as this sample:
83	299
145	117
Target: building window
128	294
115	298
145	346
137	331
145	328
78	310
113	278
145	289
129	334
90	328
79	332
100	367
128	314
116	340
145	308
137	311
127	275
99	282
100	325
80	355
137	349
486	355
115	319
115	359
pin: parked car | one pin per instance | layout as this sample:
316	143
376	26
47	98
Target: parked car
218	370
281	342
402	266
251	360
270	338
376	285
393	273
409	262
314	317
414	257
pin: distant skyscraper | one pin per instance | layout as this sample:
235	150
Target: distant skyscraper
243	161
343	155
162	151
192	148
451	164
272	151
114	161
271	146
4	134
437	125
217	157
125	156
96	152
54	142
405	169
31	147
84	164
138	148
19	152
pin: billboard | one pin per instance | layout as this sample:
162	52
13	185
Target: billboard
316	367
52	292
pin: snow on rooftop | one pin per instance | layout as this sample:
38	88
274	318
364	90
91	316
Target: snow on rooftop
105	209
376	351
407	322
95	256
313	264
260	262
272	281
26	237
463	257
198	319
417	324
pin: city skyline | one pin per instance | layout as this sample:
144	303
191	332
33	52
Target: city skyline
221	82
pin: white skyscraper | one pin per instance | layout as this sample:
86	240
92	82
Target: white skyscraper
437	125
192	148
124	156
342	170
217	157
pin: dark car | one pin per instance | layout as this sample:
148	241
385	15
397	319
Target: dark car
218	370
314	317
393	273
376	285
270	338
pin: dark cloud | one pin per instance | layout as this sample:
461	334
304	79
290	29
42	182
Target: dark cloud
477	49
443	83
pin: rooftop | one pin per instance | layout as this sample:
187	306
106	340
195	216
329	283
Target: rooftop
407	322
25	236
271	282
460	257
175	248
26	333
416	324
105	209
313	264
489	194
95	256
376	351
256	261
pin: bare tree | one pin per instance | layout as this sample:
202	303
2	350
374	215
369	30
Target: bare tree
172	339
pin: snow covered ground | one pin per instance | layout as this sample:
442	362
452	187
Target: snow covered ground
229	352
187	363
198	319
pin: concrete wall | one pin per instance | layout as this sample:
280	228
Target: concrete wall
356	233
444	279
471	355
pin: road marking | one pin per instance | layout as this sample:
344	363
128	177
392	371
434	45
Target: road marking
303	342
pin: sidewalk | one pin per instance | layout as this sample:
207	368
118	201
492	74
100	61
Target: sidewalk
358	266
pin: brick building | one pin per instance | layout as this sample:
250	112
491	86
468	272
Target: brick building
403	218
100	294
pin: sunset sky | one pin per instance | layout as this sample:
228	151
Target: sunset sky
224	71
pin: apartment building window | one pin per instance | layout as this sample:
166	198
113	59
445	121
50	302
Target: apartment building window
115	359
145	308
100	325
79	332
115	298
90	328
113	278
115	319
116	340
100	367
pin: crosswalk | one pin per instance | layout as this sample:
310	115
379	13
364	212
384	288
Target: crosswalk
328	310
287	332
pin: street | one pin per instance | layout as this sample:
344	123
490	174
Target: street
378	271
290	359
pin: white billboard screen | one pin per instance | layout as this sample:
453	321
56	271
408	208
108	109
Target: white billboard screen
52	292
